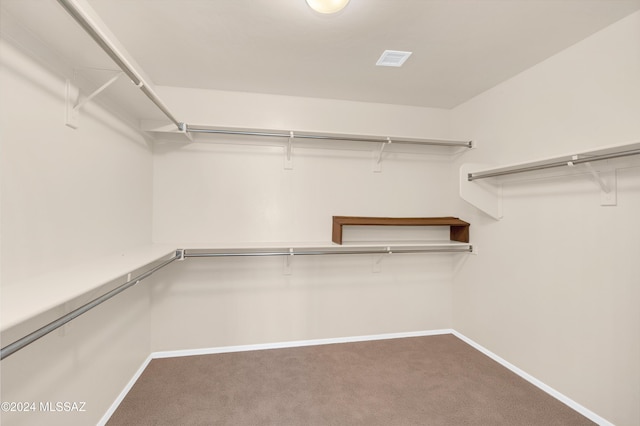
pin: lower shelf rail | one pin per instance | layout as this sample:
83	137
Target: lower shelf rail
181	254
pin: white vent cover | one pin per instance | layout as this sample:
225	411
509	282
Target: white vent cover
393	58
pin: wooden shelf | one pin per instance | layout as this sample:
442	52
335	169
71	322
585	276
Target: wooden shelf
459	229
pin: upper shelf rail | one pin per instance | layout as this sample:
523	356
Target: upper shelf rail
321	251
553	163
98	35
98	32
324	136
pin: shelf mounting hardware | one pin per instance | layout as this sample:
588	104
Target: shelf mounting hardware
180	254
377	264
74	104
182	128
606	181
287	262
288	161
377	164
596	175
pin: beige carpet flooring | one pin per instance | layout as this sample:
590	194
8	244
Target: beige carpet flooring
435	380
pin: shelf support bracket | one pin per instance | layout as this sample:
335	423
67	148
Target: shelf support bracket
74	105
483	195
179	256
377	164
377	264
288	160
606	181
184	129
287	263
597	176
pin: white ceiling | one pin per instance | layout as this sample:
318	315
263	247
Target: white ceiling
460	47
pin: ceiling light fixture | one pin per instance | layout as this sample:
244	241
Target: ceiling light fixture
327	6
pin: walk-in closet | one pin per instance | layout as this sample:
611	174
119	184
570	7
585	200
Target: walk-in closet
312	212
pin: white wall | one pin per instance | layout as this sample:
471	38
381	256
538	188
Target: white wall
68	197
220	193
556	286
556	301
238	109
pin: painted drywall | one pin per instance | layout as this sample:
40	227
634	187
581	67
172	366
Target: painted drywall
73	375
556	286
202	304
240	109
68	197
560	314
223	190
221	193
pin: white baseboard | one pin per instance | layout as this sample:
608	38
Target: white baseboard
112	409
300	343
296	343
529	378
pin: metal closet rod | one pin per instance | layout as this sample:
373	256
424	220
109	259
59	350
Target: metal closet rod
323	136
111	50
43	331
181	254
466	249
93	31
554	164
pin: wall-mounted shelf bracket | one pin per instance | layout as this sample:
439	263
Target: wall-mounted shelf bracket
64	309
377	264
604	187
182	128
167	128
606	181
484	195
180	254
377	156
75	104
288	159
288	260
482	187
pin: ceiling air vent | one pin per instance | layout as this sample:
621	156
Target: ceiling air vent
393	58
